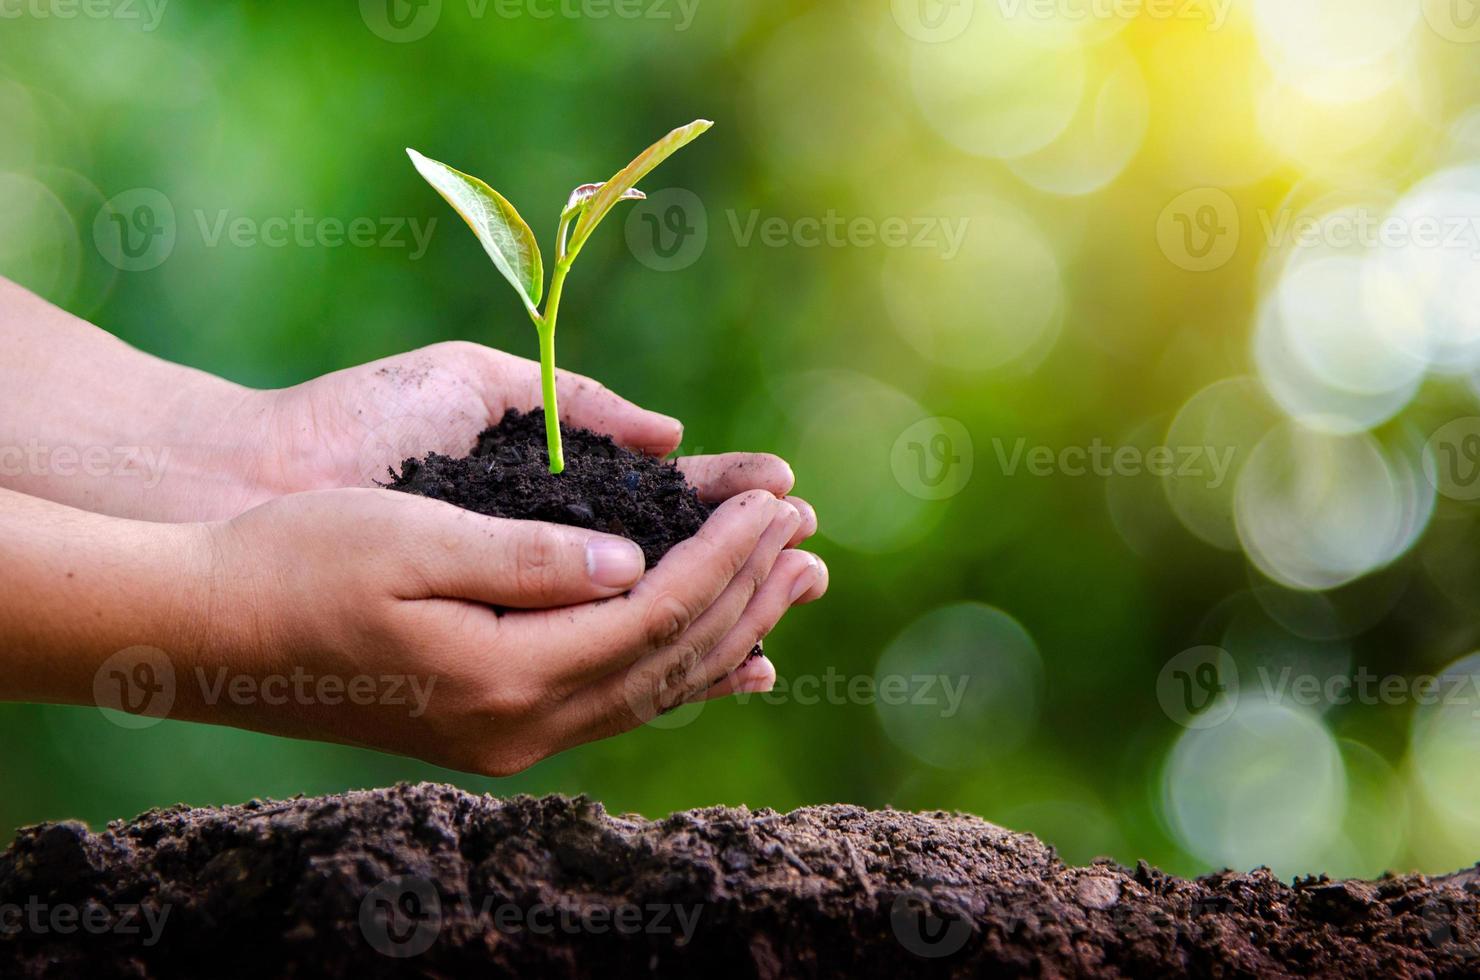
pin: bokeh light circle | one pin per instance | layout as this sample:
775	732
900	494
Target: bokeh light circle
983	655
992	92
1223	422
1103	136
1425	278
843	427
1315	510
1376	823
1266	787
1304	395
1331	329
1444	744
995	300
1336	50
1315	221
40	246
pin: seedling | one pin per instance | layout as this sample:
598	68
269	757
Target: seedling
515	253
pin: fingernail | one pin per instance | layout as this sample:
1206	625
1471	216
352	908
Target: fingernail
614	563
805	509
787	505
806	579
756	677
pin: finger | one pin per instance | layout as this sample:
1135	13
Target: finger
809	521
611	636
648	689
794	573
711	648
453	553
721	477
590	405
756	676
819	587
791	574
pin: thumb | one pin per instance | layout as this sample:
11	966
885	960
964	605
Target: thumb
458	554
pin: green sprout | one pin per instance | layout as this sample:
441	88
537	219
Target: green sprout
515	253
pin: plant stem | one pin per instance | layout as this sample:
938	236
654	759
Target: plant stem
546	328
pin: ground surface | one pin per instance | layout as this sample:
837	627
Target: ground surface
604	487
428	880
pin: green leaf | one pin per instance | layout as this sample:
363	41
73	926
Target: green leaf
577	202
585	192
610	192
504	234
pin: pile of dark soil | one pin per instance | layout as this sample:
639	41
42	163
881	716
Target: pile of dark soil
428	880
604	487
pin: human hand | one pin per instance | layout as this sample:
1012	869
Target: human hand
359	583
346	429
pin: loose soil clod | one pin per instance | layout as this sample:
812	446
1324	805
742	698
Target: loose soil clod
428	880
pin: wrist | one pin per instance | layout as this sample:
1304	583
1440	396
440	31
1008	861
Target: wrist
200	619
149	659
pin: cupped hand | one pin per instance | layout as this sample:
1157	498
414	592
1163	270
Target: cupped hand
367	583
348	428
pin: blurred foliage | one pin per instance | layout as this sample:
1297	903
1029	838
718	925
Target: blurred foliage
1071	315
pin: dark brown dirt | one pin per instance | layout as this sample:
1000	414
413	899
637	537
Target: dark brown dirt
604	487
428	880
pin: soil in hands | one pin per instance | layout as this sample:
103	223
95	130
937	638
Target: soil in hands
604	487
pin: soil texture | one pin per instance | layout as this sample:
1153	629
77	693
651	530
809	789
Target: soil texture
428	880
604	487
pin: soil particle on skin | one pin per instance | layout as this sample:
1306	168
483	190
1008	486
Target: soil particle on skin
428	880
604	487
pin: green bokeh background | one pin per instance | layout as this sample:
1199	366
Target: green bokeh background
272	109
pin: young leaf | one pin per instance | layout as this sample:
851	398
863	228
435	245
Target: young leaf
610	192
574	205
504	235
585	192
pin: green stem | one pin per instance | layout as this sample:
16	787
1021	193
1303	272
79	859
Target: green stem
546	328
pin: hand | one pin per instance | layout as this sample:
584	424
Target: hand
353	583
348	428
89	422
